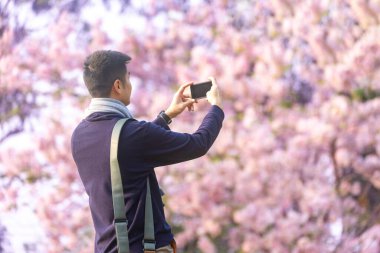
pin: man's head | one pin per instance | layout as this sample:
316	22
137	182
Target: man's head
105	75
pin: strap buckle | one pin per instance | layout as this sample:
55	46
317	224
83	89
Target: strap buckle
149	245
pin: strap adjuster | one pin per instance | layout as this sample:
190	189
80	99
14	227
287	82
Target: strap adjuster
120	220
149	245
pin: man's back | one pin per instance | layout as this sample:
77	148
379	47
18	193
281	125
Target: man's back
142	146
91	147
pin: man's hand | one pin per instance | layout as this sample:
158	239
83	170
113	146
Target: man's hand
213	95
180	102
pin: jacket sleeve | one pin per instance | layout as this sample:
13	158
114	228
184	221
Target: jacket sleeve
161	147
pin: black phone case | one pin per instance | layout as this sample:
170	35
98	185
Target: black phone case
199	90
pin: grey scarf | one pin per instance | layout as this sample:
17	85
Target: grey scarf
107	105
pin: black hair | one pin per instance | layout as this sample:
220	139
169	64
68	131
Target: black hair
101	69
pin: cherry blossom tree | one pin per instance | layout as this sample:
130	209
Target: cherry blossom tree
296	167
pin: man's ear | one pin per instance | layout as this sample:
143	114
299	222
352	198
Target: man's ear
117	85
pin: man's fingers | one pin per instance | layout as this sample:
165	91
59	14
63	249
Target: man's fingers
190	107
183	87
212	79
189	102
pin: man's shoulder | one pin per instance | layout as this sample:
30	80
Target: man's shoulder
81	125
140	131
136	125
94	122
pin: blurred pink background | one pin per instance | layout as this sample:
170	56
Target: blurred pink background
296	167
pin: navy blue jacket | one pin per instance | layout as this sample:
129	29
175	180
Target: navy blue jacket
142	147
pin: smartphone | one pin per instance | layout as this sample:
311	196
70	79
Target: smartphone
199	90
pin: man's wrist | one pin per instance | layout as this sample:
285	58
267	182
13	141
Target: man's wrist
165	117
217	103
170	114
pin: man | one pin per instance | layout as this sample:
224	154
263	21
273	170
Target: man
142	147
